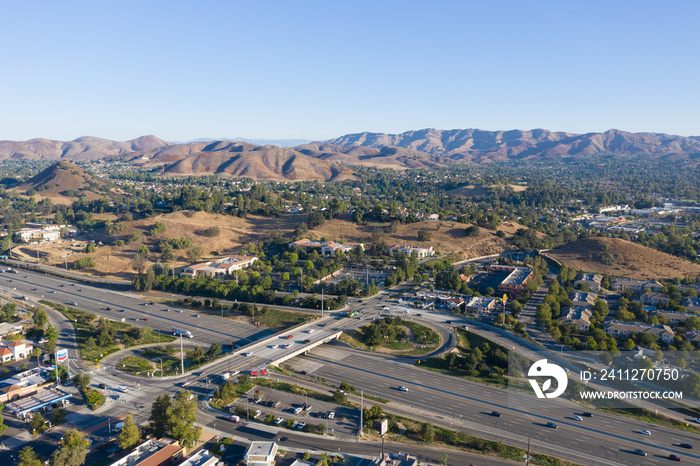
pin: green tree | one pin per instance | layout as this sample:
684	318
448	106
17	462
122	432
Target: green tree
37	424
214	349
28	457
3	427
197	354
143	250
160	415
183	419
130	435
51	333
89	248
444	457
427	432
194	253
40	317
73	450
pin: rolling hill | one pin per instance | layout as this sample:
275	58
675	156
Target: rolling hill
64	180
630	260
473	145
83	148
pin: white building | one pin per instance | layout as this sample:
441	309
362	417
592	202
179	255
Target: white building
591	279
219	267
578	316
327	247
638	286
261	454
411	250
622	330
29	235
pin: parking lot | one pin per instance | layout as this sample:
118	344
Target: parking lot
298	412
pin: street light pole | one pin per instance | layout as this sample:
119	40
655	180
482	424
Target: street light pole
182	356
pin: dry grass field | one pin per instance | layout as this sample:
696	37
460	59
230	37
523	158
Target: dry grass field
237	233
631	260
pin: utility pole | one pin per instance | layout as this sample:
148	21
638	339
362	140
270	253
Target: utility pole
527	457
362	407
182	356
323	287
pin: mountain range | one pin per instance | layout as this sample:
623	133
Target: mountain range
331	160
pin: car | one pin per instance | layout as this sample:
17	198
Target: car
121	310
308	408
300	426
640	452
257	401
145	318
235	346
102	385
249	353
496	414
448	321
234	418
686	445
276	404
166	310
72	303
52	291
43	340
697	419
279	420
289	345
80	289
35	289
198	315
577	418
60	286
587	414
179	310
303	372
331	415
307	341
275	346
310	330
674	457
403	389
552	425
645	432
298	410
257	413
289	337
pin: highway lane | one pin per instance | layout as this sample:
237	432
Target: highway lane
462	402
206	328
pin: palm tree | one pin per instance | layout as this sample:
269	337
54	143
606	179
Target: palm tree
37	353
324	459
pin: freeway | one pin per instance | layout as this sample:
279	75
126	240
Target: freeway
601	439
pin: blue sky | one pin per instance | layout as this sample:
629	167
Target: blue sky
316	70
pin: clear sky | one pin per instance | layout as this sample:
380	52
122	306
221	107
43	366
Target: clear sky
319	69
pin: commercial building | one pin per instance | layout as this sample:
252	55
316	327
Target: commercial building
152	453
516	280
326	247
14	350
261	454
412	250
480	304
219	267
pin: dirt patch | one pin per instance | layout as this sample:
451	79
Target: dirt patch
631	260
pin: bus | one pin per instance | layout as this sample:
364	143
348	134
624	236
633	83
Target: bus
352	313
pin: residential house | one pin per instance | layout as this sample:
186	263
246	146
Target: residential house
454	303
638	286
623	330
691	304
433	217
673	318
582	299
653	299
592	280
219	267
693	336
578	316
411	250
260	454
201	458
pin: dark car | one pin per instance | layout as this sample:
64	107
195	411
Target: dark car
303	372
496	414
686	445
307	341
674	457
552	425
640	452
587	414
102	385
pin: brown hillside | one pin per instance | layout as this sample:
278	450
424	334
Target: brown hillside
63	176
632	260
83	148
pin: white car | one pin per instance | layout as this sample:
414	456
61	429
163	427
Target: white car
645	432
697	419
301	426
297	410
577	418
257	413
275	346
310	330
289	345
331	415
403	389
279	421
250	353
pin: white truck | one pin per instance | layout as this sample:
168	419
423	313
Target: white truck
185	333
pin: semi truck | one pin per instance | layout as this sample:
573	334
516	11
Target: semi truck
185	333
